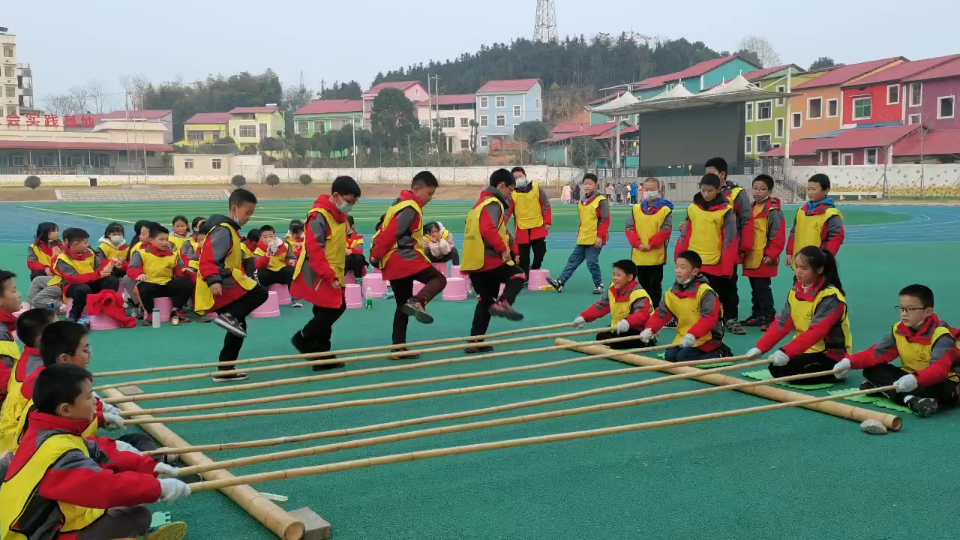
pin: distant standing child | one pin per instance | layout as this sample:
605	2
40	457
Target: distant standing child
180	233
356	262
532	218
649	226
155	268
633	193
761	263
82	272
627	302
40	256
594	231
818	223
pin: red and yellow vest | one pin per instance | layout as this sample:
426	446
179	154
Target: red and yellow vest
809	229
526	206
158	269
233	262
417	235
474	248
84	266
335	249
176	242
42	256
195	262
917	356
761	218
687	312
355	241
589	222
277	262
620	309
647	226
802	311
112	252
706	234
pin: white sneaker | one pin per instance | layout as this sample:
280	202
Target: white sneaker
296	302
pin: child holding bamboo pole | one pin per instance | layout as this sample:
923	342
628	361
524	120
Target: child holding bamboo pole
628	303
30	326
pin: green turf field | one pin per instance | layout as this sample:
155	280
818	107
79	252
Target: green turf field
790	474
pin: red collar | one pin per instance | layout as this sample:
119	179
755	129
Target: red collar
9	320
154	250
78	256
814	291
923	334
40	421
407	195
30	351
620	293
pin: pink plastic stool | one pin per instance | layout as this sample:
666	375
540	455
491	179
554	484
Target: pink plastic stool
283	293
354	298
441	267
417	287
375	285
165	305
455	271
270	308
350	278
70	308
538	279
456	289
376	270
103	322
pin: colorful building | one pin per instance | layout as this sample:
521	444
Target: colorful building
413	90
206	128
322	116
766	120
250	125
503	105
853	146
931	97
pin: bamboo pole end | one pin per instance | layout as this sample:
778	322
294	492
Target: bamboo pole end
313	526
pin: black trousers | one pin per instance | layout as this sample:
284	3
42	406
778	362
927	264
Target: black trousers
78	293
539	248
318	331
726	288
453	257
763	305
179	290
807	363
433	284
487	286
945	391
651	279
240	309
268	277
356	263
629	344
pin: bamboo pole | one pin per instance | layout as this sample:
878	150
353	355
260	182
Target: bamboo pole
394	384
290	454
841	410
274	518
383	400
336	375
452	416
428	343
513	443
349	359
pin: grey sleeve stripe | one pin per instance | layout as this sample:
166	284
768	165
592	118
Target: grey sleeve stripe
220	241
318	228
74	460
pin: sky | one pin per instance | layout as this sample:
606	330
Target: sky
69	43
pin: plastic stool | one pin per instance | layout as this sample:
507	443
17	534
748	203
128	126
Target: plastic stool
354	298
456	289
103	322
70	308
350	278
441	267
165	305
375	285
538	280
283	293
455	271
270	308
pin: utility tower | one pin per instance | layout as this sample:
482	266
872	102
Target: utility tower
545	28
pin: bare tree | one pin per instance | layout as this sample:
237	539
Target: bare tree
764	50
97	93
60	105
134	86
79	95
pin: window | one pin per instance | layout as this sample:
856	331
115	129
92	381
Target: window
749	112
483	142
748	146
945	107
7	51
18	161
797	120
833	158
781	101
846	159
187	163
516	111
870	156
303	126
248	131
814	108
11	91
916	94
538	104
763	143
893	94
484	102
862	108
216	136
501	102
4	160
484	121
103	160
464	144
216	163
448	122
195	135
778	130
501	119
8	71
464	122
764	110
47	160
913	119
319	126
833	108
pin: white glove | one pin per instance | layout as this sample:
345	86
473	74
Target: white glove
646	336
688	341
906	384
112	409
780	359
579	322
124	447
754	353
623	326
167	471
112	419
173	490
842	368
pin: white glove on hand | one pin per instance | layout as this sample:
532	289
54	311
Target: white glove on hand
112	409
842	368
688	341
124	447
754	353
112	419
173	490
579	322
646	336
623	326
780	359
166	471
907	383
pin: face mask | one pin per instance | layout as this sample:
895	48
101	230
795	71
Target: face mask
521	182
651	196
116	240
346	207
686	281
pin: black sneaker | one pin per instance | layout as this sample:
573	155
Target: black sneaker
479	349
598	289
672	323
230	324
504	310
300	343
147	321
556	284
327	367
753	320
397	356
229	375
414	309
733	326
924	407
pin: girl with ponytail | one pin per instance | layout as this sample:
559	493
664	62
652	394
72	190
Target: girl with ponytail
816	313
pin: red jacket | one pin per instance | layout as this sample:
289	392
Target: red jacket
71	276
216	246
743	213
729	256
33	263
639	311
824	326
776	238
710	308
945	356
354	244
406	260
493	244
262	262
315	284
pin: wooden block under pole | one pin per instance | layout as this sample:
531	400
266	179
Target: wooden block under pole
841	410
317	528
130	390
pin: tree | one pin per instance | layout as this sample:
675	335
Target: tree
79	96
135	88
305	179
294	99
97	93
272	180
822	63
32	182
763	49
60	105
347	90
271	144
531	132
394	117
238	180
585	151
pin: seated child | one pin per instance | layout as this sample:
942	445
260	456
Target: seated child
273	261
356	262
30	326
181	232
82	272
61	485
697	309
816	312
294	237
40	256
439	244
113	247
247	247
190	252
927	378
141	230
9	351
629	304
154	268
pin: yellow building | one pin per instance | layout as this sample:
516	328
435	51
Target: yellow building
204	128
250	125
